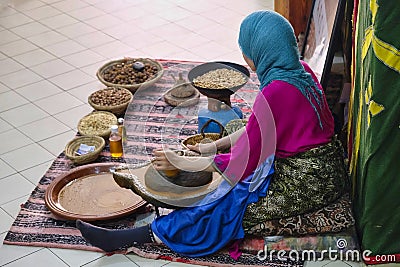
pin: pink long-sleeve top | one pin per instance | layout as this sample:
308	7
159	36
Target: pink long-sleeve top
282	123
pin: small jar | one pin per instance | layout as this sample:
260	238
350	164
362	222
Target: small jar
115	140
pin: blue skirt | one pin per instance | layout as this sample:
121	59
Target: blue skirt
205	229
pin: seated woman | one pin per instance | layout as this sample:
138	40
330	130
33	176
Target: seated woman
285	162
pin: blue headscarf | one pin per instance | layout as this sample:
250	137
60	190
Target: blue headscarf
268	40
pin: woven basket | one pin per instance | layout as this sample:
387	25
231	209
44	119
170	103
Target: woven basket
130	87
117	109
99	117
203	137
72	147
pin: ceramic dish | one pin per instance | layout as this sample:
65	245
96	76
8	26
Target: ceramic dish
90	193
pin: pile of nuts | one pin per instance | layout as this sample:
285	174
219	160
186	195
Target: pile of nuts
112	96
130	72
220	79
96	123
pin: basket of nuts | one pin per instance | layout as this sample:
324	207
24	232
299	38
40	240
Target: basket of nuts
112	99
130	73
97	123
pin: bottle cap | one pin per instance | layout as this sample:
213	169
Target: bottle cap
114	128
120	120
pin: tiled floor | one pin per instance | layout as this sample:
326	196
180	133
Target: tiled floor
50	51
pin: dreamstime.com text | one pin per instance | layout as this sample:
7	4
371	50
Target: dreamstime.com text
328	254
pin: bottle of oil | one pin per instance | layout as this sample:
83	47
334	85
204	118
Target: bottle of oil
115	142
122	130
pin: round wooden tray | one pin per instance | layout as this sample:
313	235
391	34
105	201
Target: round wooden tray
107	207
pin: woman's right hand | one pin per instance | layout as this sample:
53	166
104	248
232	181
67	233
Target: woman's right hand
204	148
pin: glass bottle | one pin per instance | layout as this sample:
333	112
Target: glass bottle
115	142
122	130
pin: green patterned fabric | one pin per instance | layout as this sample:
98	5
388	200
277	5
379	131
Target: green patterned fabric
305	182
374	126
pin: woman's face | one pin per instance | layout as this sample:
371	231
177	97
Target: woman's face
249	62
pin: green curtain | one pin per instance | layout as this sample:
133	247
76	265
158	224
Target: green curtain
374	125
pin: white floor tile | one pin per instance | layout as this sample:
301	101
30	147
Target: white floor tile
141	40
210	51
174	13
65	48
72	79
72	116
13	187
39	90
87	12
114	6
42	12
20	78
14	207
188	41
7	9
4	88
8	37
111	50
11	64
5	221
18	140
316	263
14	20
27	157
11	99
196	22
47	38
26	5
10	253
82	92
77	29
52	68
161	49
43	257
179	264
30	29
30	111
2	56
133	14
94	39
36	173
45	128
69	5
4	126
58	21
57	143
114	260
143	262
76	257
34	57
103	21
17	47
58	103
5	169
84	58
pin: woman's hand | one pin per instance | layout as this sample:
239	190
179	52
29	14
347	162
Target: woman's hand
204	148
165	159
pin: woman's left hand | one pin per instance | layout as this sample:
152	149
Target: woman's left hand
165	159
